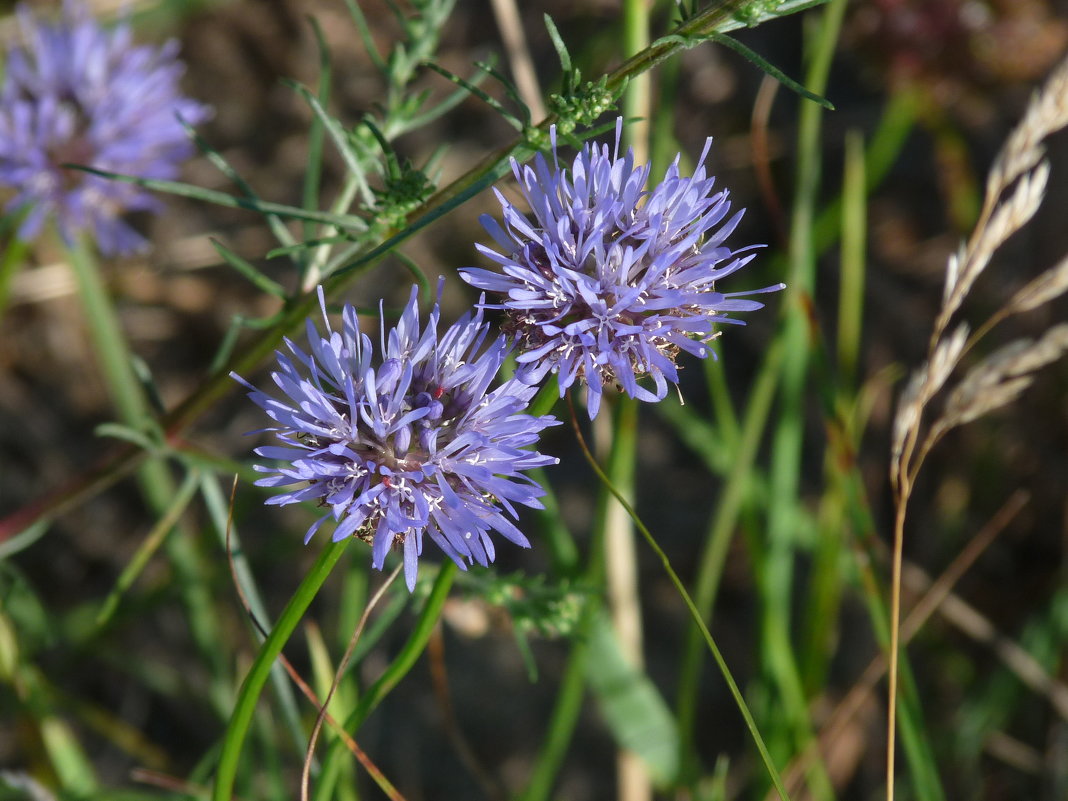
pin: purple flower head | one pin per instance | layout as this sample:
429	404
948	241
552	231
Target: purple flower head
610	280
414	444
76	93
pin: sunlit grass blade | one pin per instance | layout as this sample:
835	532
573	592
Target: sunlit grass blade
775	570
322	675
885	145
854	242
148	547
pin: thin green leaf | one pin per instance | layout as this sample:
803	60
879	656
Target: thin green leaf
451	101
435	212
397	670
307	244
509	88
417	273
695	616
365	35
229	340
148	547
570	75
248	270
753	14
23	539
765	66
127	434
346	221
383	619
278	228
218	507
234	739
342	140
393	168
492	102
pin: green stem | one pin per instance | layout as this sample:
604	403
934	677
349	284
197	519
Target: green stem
148	547
713	558
721	663
108	340
396	671
252	686
155	480
569	698
557	740
777	568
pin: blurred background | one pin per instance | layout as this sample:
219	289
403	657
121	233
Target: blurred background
936	85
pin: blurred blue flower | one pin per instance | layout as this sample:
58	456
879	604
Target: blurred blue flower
75	93
611	280
417	445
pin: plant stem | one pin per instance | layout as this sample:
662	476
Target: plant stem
396	671
155	480
721	663
252	686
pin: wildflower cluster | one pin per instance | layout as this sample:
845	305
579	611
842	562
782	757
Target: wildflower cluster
76	93
611	280
608	284
417	444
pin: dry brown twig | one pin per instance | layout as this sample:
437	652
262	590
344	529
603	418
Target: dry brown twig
1014	191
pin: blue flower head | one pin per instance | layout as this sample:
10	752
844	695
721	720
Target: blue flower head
413	445
611	280
75	93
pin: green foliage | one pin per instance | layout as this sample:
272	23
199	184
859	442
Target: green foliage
793	524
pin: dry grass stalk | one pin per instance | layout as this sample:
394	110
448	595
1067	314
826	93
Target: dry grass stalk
1050	285
1000	377
1015	189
